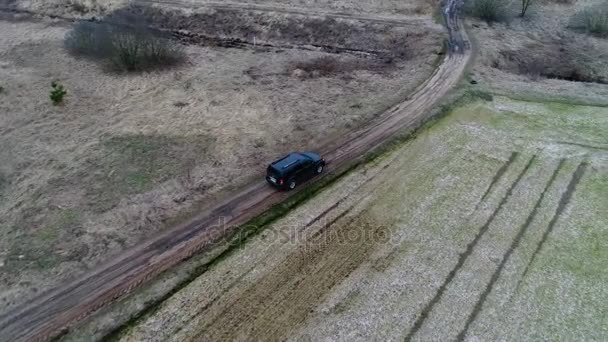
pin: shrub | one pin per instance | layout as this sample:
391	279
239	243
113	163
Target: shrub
138	49
57	93
2	90
593	20
90	39
126	47
564	58
488	10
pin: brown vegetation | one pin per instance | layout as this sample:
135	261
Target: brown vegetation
330	65
592	19
488	10
125	43
563	58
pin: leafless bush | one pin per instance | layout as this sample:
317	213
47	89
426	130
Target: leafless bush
488	10
84	6
130	47
525	6
77	6
90	39
593	20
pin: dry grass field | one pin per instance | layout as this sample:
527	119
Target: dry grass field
490	225
126	153
407	7
375	7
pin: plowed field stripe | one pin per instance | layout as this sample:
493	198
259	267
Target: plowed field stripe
498	176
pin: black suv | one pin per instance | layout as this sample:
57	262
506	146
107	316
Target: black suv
289	171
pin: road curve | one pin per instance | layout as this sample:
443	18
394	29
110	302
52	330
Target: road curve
48	314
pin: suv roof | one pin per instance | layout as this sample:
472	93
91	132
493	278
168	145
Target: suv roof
287	162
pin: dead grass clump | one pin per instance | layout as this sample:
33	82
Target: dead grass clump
593	20
488	10
564	59
329	66
128	45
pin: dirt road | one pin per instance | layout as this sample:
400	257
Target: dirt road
46	315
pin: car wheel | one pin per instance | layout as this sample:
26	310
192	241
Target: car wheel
292	184
319	169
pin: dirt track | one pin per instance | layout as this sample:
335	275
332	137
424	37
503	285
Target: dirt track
46	315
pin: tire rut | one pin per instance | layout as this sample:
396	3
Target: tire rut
505	258
464	256
497	177
275	304
563	202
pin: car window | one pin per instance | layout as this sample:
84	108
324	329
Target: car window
274	172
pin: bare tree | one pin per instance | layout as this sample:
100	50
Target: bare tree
525	4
